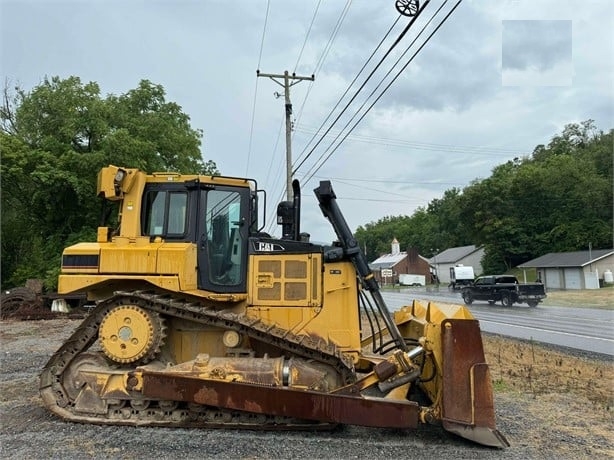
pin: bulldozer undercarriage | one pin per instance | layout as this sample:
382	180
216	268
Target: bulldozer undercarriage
128	382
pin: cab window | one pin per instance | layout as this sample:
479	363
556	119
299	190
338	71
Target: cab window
165	213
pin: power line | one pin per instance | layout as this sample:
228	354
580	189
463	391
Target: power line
323	56
295	67
385	192
477	150
251	130
301	54
545	198
332	37
315	13
279	163
266	18
359	89
344	12
388	86
370	95
381	200
288	81
388	181
369	77
321	61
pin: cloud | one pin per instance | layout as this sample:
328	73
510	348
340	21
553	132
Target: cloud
454	94
559	74
536	44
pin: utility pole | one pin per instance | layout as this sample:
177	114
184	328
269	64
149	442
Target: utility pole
287	84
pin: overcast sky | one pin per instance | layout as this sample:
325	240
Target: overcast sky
497	79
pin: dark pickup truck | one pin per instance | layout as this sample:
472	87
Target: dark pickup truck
504	288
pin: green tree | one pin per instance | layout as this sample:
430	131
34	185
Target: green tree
377	237
54	140
449	229
158	133
559	199
487	213
423	232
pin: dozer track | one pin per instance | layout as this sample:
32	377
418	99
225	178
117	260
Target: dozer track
58	386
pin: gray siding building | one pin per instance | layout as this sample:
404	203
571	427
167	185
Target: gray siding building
462	255
573	270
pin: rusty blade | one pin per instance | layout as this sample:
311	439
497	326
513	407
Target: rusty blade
309	405
481	435
468	406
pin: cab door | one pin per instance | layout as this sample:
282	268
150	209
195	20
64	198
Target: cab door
223	226
482	288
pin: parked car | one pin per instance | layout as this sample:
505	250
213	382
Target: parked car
503	288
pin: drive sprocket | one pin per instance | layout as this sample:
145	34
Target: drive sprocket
130	334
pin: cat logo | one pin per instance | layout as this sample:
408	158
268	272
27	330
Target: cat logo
268	247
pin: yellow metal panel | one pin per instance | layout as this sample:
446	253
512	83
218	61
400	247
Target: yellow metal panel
81	258
342	338
82	249
102	234
101	286
186	340
335	319
128	259
340	315
79	270
294	319
131	207
167	177
73	283
179	259
285	280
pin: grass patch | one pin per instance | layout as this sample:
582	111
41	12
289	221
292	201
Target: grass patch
500	386
593	298
528	367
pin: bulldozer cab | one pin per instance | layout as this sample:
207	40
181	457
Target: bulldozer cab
215	218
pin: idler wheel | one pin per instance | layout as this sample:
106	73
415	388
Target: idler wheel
72	380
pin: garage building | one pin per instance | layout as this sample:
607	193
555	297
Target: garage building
573	270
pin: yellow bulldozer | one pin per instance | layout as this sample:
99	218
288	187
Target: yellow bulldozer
203	320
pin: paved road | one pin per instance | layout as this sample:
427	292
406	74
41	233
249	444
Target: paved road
582	328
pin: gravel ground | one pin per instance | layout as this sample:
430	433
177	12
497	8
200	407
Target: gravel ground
552	425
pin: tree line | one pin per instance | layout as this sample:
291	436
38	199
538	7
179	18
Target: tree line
558	199
54	139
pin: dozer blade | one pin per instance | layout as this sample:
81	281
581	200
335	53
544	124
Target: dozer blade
459	380
308	405
467	405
